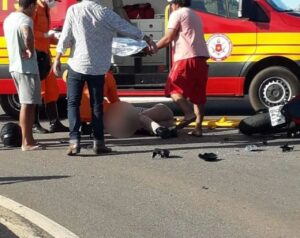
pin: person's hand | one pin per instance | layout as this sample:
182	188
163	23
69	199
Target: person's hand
50	34
57	35
26	54
57	67
152	47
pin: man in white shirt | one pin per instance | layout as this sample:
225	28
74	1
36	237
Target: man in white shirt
23	67
89	29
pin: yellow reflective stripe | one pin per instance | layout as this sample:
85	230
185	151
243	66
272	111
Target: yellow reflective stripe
2	42
278	50
269	44
3	51
4	61
167	9
4	5
244	47
64	58
232	59
238	38
287	38
255	58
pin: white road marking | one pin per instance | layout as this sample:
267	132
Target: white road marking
37	219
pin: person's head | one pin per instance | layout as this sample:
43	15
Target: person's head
27	6
176	4
121	119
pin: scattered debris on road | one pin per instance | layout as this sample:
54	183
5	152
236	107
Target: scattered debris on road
208	156
162	153
287	148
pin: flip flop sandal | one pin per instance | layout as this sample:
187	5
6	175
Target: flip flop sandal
195	134
184	123
32	148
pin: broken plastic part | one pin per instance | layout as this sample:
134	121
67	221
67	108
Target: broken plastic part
287	148
208	156
162	153
251	148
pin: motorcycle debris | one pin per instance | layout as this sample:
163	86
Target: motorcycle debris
287	148
265	142
208	156
162	153
252	148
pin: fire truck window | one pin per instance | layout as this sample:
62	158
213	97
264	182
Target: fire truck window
233	6
216	7
198	5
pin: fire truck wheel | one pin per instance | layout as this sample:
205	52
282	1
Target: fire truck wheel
10	105
273	86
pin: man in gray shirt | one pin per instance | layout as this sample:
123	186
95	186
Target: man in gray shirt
89	29
23	67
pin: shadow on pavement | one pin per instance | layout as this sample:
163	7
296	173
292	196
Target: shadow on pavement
11	180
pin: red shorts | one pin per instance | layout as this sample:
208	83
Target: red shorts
188	78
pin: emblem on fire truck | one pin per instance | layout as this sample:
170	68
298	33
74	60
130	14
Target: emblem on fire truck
219	47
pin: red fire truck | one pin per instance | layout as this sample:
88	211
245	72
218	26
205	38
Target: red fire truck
253	44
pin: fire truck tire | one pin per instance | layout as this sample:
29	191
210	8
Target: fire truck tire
259	124
10	105
273	86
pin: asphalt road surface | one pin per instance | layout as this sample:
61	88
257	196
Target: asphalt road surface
130	194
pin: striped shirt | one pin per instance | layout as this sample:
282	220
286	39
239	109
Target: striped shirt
89	29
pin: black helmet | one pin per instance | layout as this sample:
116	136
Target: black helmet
11	135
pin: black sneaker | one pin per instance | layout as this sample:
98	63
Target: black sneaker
163	132
173	132
101	149
37	128
57	126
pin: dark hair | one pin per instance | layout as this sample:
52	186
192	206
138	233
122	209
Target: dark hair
182	3
26	3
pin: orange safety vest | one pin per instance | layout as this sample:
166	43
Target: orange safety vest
110	94
41	25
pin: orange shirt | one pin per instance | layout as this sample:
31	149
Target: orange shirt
41	25
110	94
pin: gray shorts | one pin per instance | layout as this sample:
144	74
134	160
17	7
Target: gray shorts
28	87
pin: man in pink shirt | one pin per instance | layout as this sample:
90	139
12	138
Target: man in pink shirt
188	76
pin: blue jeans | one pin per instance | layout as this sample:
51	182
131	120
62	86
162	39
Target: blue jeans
75	85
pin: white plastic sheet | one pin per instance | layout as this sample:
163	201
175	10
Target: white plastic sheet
122	46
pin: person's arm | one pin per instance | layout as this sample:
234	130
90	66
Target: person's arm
169	36
28	39
57	64
172	31
121	26
66	37
63	43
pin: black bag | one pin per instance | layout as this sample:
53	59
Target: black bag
44	63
